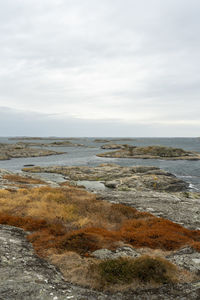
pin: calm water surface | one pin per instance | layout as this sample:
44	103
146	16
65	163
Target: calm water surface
80	156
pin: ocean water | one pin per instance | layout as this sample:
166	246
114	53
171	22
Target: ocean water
80	156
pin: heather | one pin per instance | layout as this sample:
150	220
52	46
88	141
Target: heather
68	220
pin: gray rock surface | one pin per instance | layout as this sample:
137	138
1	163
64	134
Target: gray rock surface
152	152
173	206
25	276
122	178
8	151
112	146
119	252
6	183
52	144
187	258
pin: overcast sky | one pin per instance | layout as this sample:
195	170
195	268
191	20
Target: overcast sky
100	67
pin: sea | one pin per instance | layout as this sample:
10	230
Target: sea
188	171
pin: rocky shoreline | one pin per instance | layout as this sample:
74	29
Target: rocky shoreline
150	152
8	151
144	178
146	188
52	144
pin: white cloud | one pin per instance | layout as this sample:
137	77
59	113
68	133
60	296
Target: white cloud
136	62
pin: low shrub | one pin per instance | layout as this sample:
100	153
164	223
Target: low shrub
145	269
113	271
87	240
149	269
160	233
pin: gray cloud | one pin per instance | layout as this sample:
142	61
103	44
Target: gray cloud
118	64
22	123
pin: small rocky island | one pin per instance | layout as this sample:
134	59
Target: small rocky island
52	144
8	151
112	146
151	152
101	140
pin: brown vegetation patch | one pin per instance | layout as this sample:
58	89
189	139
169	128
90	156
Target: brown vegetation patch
22	179
27	223
72	219
144	268
160	233
160	151
67	224
102	275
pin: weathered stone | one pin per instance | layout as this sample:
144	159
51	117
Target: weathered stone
112	146
173	206
8	151
101	141
119	252
122	178
186	258
111	184
144	169
17	179
52	144
153	152
25	276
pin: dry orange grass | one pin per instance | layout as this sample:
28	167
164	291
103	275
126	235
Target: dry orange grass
160	233
86	272
68	220
37	202
68	204
77	221
22	180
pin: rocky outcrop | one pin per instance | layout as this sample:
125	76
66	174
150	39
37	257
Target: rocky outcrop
112	146
186	258
146	188
153	152
119	252
178	207
65	144
101	141
8	151
120	178
50	138
13	181
52	144
114	140
25	276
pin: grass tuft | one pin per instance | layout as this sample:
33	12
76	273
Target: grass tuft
145	269
22	179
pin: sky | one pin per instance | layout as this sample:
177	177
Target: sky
124	68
